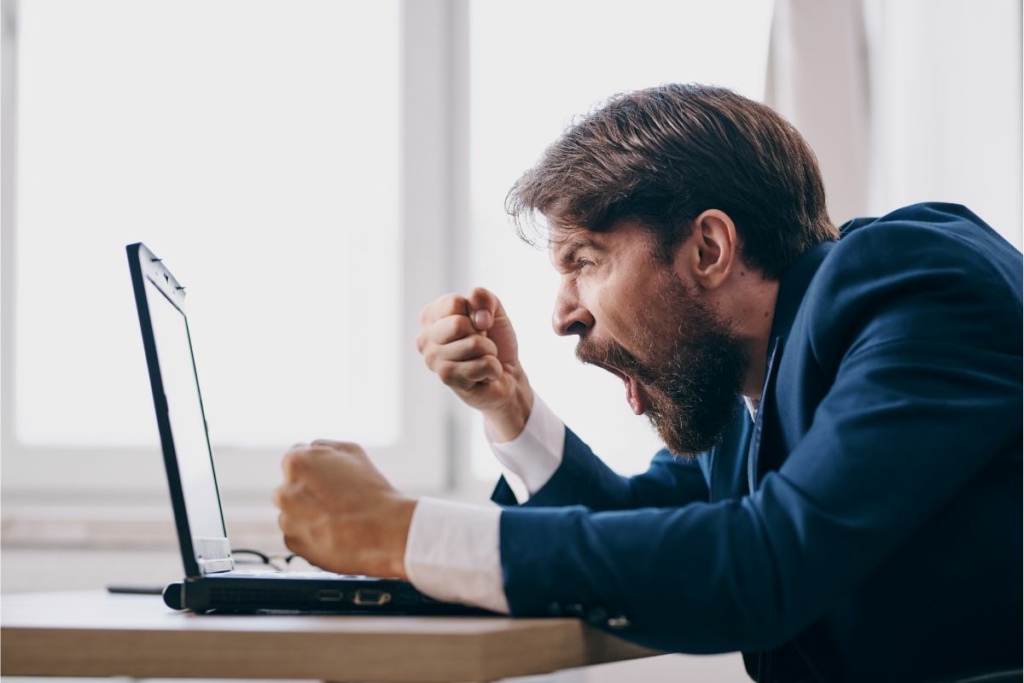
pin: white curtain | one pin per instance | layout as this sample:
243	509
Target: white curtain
818	79
906	101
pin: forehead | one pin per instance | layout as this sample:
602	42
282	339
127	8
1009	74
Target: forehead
560	239
564	243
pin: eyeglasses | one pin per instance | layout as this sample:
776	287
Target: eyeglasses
279	562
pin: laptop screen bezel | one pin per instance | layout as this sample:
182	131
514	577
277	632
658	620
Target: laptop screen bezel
145	268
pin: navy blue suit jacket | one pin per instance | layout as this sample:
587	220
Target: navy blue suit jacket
867	525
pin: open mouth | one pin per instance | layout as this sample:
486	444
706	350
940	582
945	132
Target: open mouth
635	395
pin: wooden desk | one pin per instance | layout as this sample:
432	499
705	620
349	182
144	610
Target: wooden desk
96	634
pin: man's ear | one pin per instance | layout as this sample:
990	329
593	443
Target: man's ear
710	253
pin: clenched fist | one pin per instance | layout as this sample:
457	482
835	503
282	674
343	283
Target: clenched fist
340	513
469	343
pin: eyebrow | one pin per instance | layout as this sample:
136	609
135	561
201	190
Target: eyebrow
573	244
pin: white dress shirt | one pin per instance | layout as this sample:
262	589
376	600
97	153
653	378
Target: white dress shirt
453	552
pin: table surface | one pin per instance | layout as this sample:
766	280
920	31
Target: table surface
94	633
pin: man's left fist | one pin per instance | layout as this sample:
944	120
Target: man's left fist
340	513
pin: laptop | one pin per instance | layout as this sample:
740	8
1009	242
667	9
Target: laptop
212	583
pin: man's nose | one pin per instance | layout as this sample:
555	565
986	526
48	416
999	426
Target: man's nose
570	317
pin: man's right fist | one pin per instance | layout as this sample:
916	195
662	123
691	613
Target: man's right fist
469	343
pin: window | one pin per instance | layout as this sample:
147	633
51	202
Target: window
315	172
256	147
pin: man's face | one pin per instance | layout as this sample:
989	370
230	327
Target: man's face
636	318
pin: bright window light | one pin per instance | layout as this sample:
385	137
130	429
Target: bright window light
254	146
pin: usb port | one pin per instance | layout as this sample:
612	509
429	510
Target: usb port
328	595
371	596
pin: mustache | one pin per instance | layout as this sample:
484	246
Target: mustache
608	354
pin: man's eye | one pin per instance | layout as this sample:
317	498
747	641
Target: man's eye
581	263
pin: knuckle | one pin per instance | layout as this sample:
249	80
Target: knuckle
461	326
484	369
446	329
480	345
488	367
351	449
289	463
296	462
425	315
446	371
444	306
439	308
455	302
455	375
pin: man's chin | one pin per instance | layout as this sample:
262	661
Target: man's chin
684	440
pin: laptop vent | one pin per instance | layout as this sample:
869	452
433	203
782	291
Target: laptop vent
279	597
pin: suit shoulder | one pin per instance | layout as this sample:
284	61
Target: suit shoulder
925	241
928	271
933	229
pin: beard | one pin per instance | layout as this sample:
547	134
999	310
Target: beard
689	366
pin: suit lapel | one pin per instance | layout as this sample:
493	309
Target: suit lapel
792	287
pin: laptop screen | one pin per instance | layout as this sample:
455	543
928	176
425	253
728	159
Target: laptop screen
180	416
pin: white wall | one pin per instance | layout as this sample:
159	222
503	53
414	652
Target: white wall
946	102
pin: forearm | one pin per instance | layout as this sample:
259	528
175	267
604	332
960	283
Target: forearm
697	579
574	475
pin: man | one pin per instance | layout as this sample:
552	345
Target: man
840	497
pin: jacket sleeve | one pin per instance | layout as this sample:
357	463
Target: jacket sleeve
923	367
583	479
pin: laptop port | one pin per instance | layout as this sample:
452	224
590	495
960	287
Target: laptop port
328	595
371	596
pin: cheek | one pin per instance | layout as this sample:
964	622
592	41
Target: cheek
627	301
625	315
647	315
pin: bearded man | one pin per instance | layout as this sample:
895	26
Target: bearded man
840	493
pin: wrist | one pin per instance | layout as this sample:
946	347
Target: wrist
509	422
405	508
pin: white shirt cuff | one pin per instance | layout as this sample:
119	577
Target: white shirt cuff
453	553
529	460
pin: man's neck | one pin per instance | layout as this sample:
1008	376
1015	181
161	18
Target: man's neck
753	313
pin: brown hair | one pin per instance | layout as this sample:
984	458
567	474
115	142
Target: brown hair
662	156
